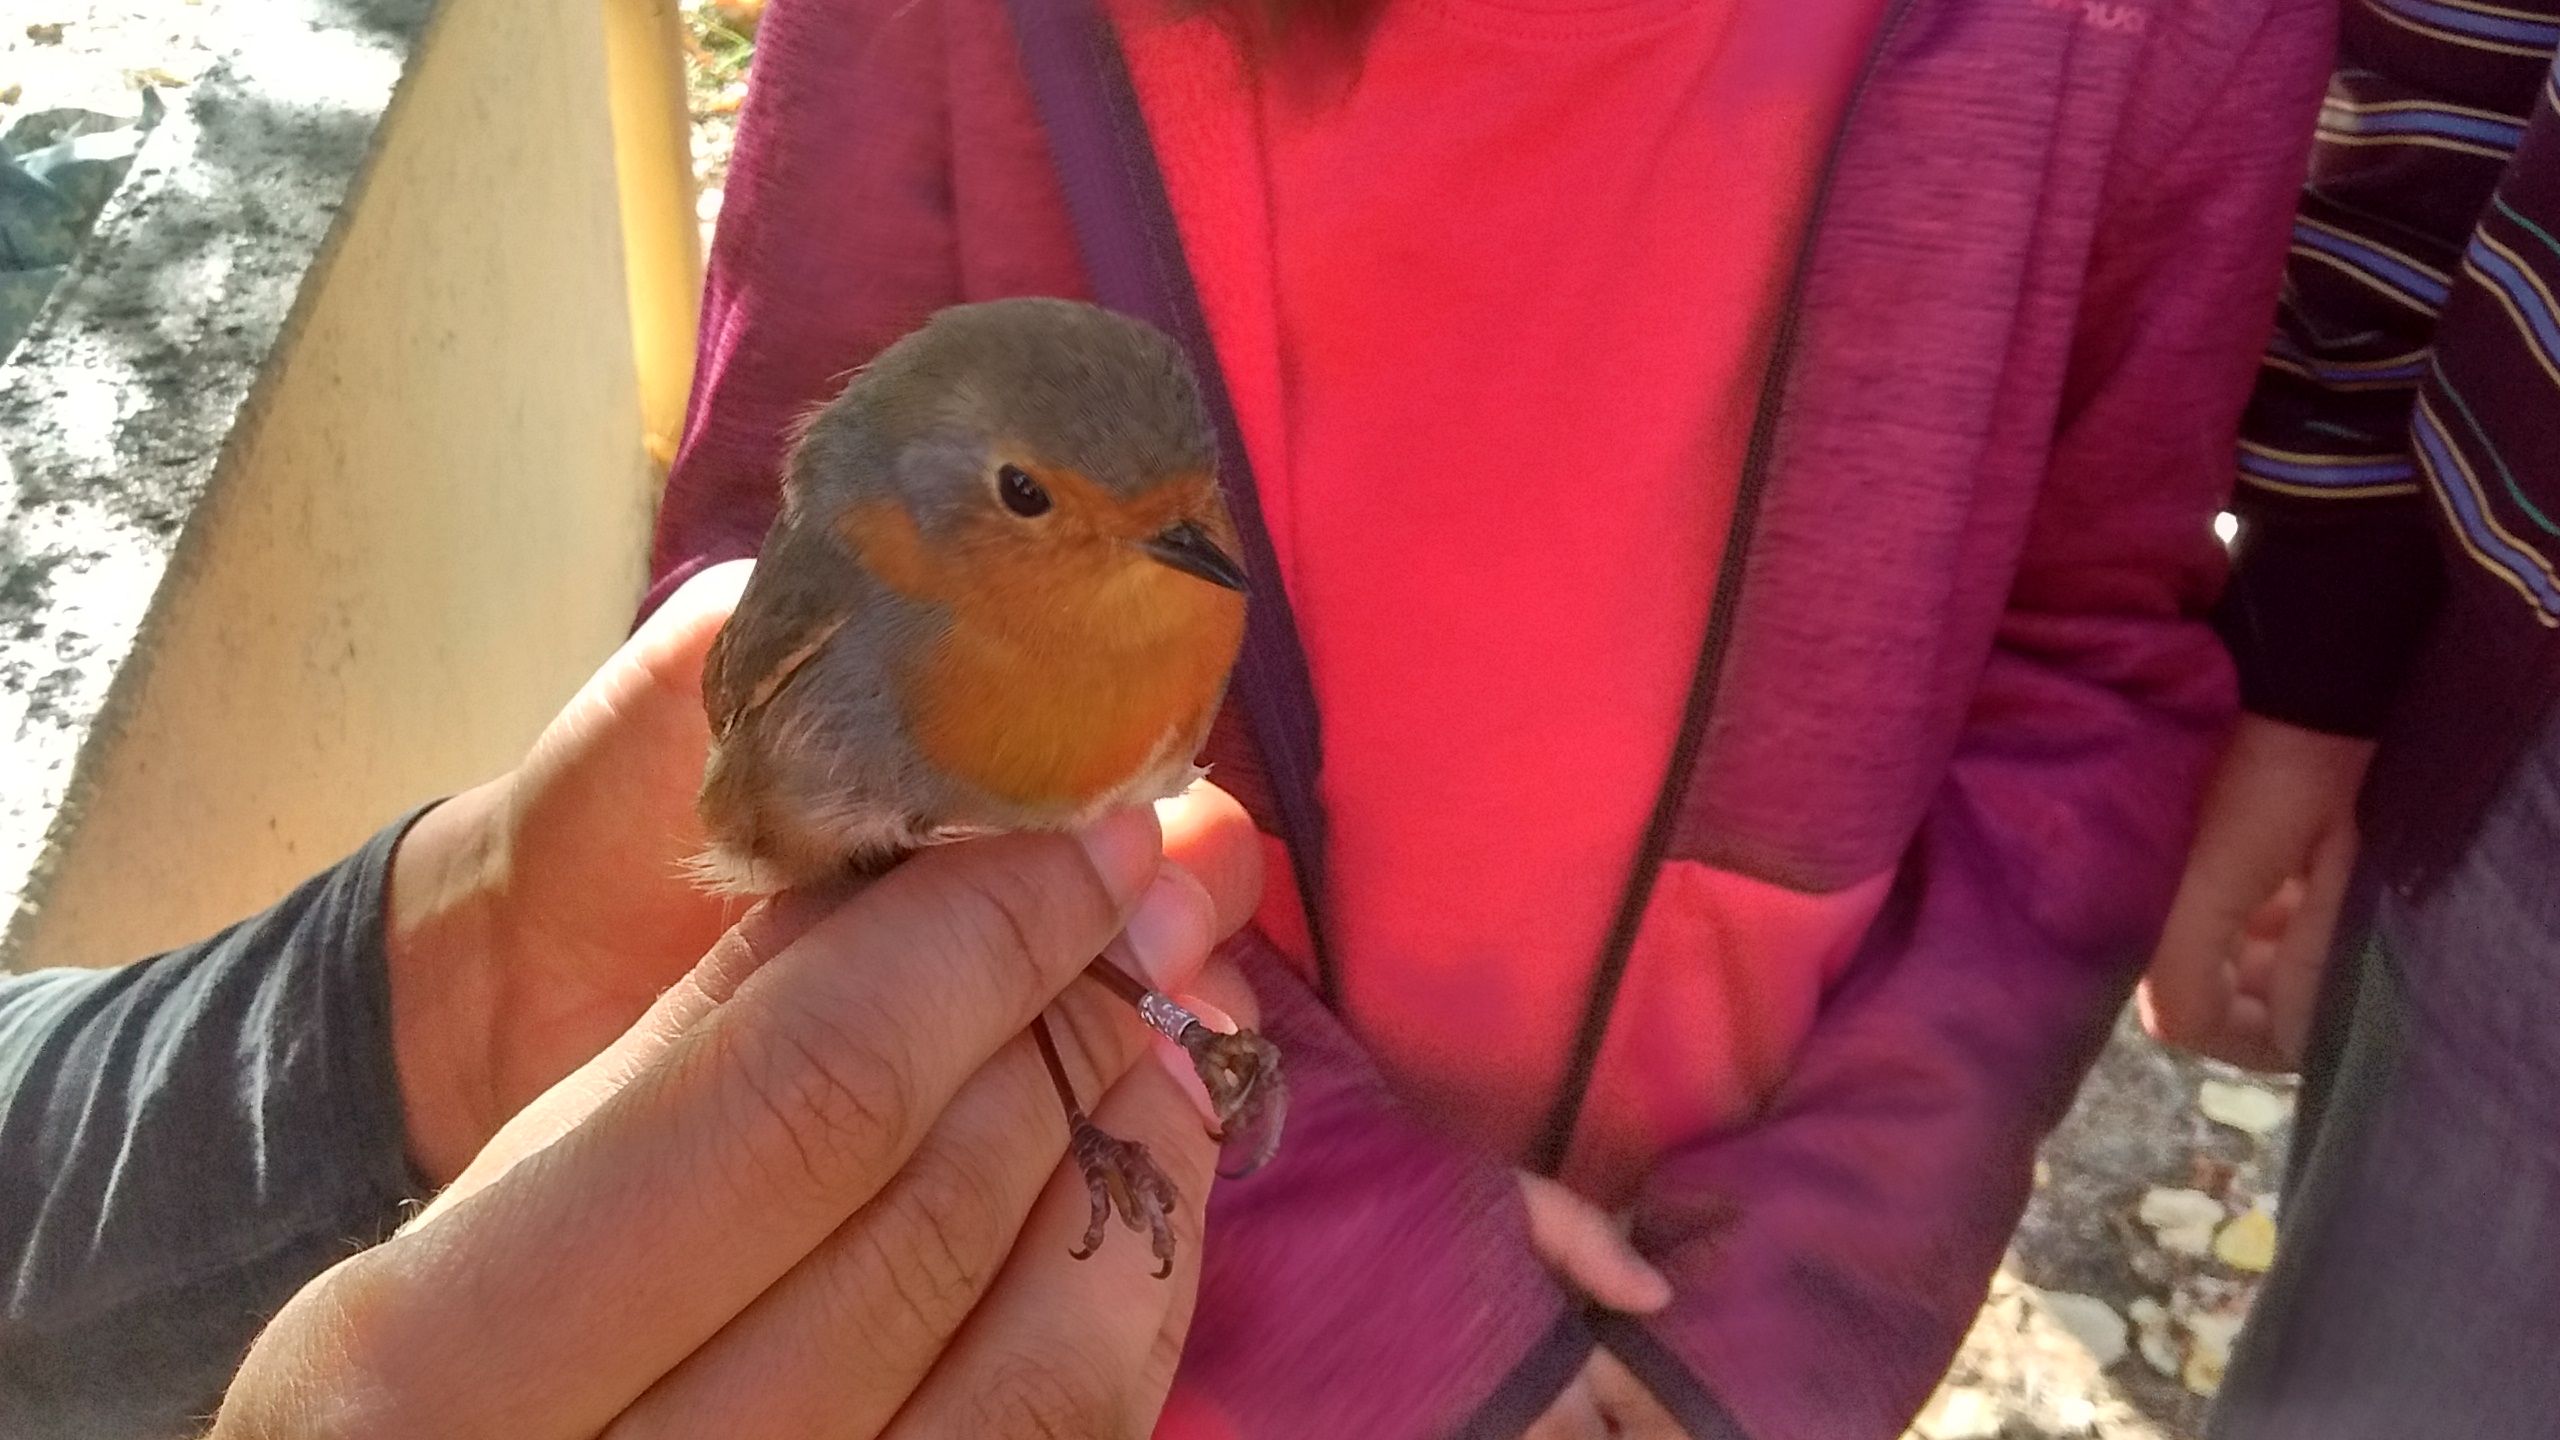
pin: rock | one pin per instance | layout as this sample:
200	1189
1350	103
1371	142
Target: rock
2202	1373
2164	1209
1958	1414
2188	1240
2209	1337
2092	1321
2154	1336
2252	1109
2182	1220
2212	1331
2248	1243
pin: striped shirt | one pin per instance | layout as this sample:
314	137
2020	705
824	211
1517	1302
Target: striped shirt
2405	431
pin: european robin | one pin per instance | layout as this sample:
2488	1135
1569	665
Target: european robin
1001	593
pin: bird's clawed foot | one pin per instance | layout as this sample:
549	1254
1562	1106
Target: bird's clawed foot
1120	1175
1240	1070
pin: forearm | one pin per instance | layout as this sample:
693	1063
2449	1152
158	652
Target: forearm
2324	611
2336	573
189	1139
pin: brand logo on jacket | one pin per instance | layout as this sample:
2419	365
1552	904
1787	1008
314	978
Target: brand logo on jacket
2115	18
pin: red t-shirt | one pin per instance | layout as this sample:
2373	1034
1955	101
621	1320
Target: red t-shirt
1494	305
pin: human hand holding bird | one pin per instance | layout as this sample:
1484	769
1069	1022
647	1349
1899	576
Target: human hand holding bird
1000	594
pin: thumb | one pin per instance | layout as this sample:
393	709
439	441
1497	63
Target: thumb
1582	1244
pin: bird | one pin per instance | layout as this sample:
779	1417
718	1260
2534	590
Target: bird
1000	593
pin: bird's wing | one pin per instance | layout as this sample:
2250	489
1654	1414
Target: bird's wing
766	642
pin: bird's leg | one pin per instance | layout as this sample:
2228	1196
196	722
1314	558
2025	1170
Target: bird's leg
1240	1069
1117	1173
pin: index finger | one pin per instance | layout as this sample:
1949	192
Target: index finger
597	1264
1207	832
1085	1347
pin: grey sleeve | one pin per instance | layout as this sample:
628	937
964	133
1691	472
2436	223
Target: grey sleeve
184	1142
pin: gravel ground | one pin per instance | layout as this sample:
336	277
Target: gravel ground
99	54
2135	1262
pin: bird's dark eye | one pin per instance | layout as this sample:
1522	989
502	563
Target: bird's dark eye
1022	494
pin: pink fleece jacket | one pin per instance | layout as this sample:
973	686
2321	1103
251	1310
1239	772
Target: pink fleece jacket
1480	552
1954	639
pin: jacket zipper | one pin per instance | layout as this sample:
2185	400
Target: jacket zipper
1555	1141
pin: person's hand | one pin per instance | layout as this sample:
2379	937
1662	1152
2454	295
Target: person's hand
534	918
816	1190
2238	967
1606	1401
1588	1250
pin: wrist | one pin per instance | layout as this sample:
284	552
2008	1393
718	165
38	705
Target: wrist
2325	769
439	943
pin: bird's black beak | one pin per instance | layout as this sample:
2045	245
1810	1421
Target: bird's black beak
1187	548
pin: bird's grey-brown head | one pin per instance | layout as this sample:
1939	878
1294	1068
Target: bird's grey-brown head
1026	424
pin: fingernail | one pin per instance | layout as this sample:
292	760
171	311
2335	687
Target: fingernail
1169	934
1124	847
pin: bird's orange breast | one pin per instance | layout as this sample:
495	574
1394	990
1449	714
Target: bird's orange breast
1066	672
